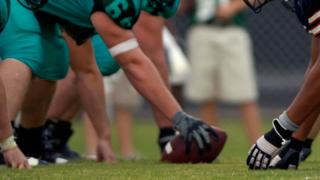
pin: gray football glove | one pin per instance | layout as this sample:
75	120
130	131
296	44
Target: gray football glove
192	128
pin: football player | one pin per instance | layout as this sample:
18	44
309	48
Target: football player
148	26
20	51
113	20
307	101
299	146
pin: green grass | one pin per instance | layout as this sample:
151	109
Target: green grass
230	165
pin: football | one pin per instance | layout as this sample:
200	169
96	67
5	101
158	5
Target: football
175	150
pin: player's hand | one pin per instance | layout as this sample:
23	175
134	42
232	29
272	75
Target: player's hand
260	154
104	151
288	158
14	158
192	128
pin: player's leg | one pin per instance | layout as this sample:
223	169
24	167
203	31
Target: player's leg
148	31
237	77
16	78
64	106
53	66
125	100
251	120
202	87
37	99
209	112
65	97
21	51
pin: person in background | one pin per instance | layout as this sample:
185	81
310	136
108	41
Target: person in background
222	62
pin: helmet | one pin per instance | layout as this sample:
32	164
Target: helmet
164	8
256	5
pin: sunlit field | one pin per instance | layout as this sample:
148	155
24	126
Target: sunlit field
230	165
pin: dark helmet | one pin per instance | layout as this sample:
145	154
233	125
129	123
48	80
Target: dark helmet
256	5
164	8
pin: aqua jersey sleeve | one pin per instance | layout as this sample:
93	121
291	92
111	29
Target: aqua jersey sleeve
164	8
124	13
4	13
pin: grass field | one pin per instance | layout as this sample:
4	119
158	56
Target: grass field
230	165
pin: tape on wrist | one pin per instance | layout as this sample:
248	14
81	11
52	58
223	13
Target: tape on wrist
7	144
124	47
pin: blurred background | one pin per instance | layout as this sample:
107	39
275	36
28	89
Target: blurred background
281	50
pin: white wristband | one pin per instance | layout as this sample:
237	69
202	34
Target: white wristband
124	47
7	144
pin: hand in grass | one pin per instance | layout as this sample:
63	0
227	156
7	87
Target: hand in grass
14	158
104	151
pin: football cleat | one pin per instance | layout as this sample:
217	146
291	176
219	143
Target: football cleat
57	134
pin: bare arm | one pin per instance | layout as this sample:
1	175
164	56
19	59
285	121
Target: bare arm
5	125
138	67
90	88
14	158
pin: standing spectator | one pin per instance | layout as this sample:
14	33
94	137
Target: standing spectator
222	63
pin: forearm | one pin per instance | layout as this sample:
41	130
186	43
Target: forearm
6	129
145	78
89	85
90	88
5	125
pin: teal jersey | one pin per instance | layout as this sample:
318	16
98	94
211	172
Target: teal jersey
77	12
164	8
4	13
74	15
125	13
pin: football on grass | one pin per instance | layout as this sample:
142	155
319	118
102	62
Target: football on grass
175	150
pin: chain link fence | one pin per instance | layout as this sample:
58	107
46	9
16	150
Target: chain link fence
281	50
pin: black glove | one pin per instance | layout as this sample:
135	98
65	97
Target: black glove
192	128
287	159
